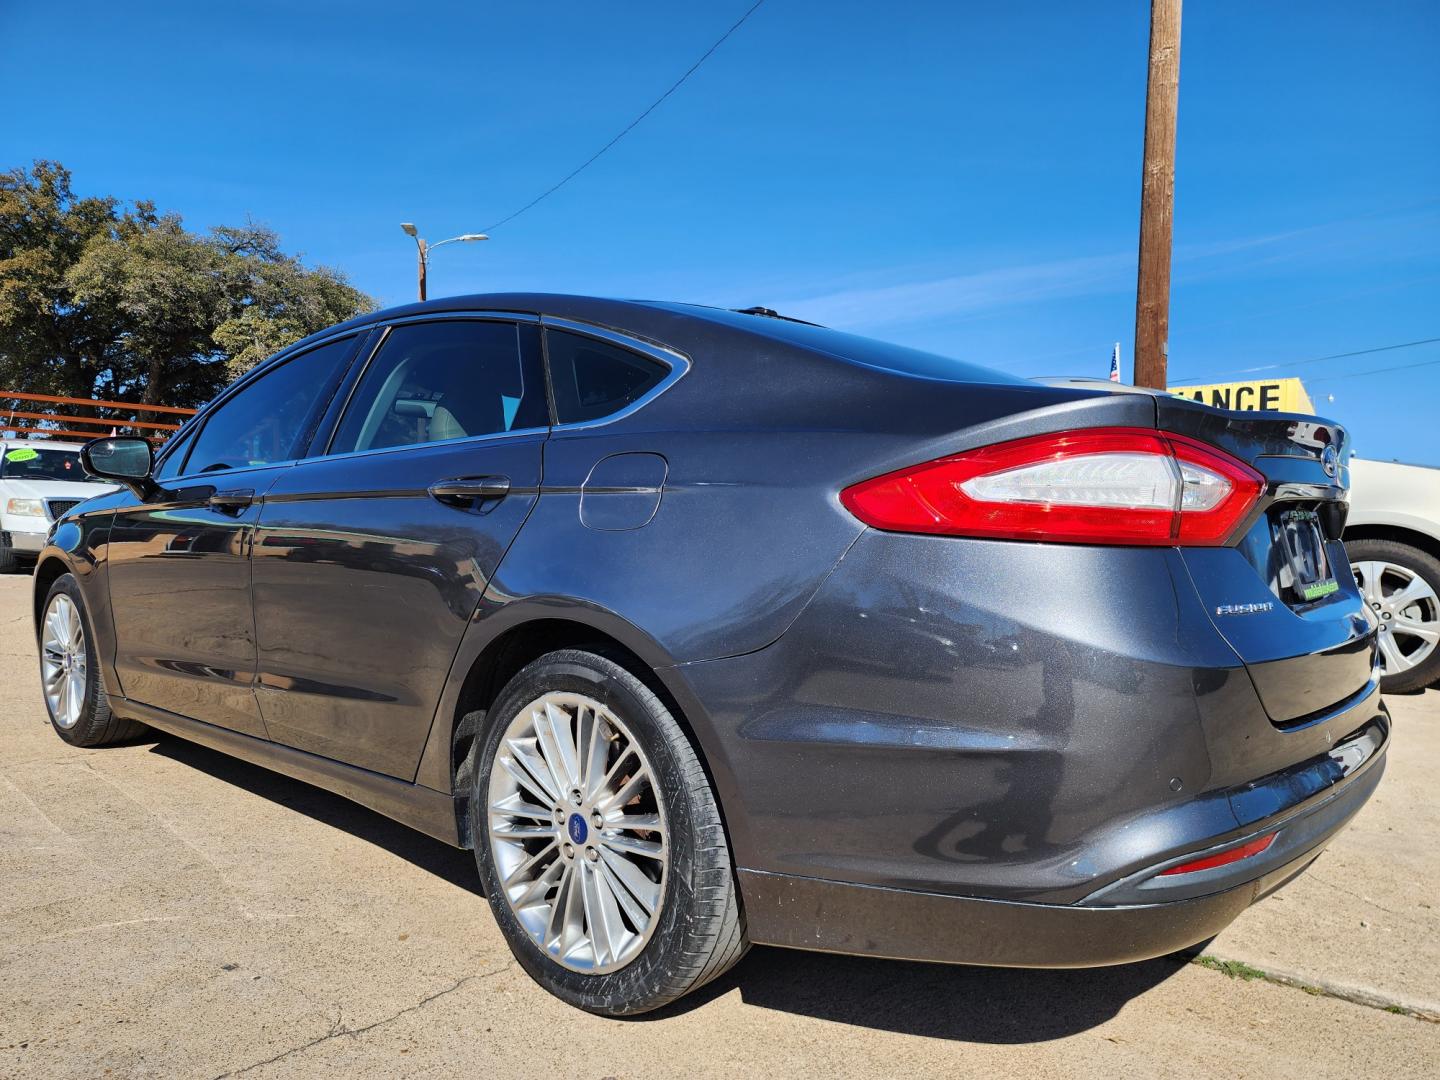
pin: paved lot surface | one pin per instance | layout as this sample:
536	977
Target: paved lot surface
165	911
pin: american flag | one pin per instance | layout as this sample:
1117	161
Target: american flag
1115	363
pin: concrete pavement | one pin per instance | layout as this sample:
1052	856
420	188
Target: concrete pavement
166	911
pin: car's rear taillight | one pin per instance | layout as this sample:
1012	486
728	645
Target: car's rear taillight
1096	486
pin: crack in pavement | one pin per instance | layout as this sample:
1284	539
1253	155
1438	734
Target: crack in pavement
1355	895
339	1028
1424	1011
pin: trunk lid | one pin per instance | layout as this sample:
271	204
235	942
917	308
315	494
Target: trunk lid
1284	596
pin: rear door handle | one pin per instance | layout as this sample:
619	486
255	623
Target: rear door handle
232	502
470	489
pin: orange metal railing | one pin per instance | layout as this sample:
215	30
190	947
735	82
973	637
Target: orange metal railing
67	421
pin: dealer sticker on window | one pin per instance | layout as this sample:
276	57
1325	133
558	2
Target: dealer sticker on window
23	454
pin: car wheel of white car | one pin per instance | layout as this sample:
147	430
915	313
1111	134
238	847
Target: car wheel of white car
7	557
1401	586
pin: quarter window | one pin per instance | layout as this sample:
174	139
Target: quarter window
175	456
593	379
264	422
436	381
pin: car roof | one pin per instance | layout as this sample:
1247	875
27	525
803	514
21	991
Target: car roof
684	326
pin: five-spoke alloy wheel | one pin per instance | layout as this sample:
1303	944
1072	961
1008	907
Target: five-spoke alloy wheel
1401	587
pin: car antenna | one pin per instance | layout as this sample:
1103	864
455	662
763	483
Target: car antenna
771	313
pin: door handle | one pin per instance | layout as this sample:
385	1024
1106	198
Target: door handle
232	502
473	489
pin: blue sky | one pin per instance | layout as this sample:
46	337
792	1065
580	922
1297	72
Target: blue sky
957	176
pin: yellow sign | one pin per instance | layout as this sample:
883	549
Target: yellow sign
1262	395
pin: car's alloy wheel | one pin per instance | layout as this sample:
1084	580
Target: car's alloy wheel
1408	611
1401	587
577	833
598	837
63	661
70	679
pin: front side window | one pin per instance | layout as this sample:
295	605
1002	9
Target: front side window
593	379
264	421
437	381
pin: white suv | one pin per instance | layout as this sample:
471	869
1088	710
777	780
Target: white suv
1393	540
39	481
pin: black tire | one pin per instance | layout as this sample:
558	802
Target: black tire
8	561
701	929
96	725
1423	565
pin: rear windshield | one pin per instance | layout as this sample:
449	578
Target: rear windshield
37	463
856	349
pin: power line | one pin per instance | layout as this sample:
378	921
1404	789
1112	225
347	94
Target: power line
1312	360
630	126
1376	371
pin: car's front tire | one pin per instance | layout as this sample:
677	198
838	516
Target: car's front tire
599	840
1401	586
70	679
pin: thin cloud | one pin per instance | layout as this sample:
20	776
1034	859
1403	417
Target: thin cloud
921	299
963	294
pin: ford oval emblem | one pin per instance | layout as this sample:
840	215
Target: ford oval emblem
1330	461
577	828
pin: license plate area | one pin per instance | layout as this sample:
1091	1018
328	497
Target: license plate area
1305	573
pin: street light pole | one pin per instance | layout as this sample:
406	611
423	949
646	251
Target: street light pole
424	248
1157	197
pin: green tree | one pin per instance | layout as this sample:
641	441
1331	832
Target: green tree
101	299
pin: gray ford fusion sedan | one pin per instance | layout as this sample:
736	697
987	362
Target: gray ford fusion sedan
704	628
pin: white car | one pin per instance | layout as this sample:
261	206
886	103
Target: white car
39	480
1393	539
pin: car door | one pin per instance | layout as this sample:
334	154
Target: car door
370	557
179	566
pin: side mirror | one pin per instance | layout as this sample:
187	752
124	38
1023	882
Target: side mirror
126	460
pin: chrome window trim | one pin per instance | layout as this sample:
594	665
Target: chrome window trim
493	436
452	316
677	363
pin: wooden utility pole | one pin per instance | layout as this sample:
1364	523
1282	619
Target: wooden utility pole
1157	196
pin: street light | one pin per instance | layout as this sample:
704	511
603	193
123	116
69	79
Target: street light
426	248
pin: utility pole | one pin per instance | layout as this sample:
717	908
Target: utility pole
1157	196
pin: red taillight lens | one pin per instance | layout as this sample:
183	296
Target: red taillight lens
1097	486
1224	858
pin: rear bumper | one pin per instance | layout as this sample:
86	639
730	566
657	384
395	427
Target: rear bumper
1139	917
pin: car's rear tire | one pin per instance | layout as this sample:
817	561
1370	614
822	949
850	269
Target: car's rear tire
70	681
1401	584
611	881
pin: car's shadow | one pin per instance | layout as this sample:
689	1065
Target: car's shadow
433	856
985	1005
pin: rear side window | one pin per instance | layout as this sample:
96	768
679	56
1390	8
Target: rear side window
436	381
264	422
593	379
